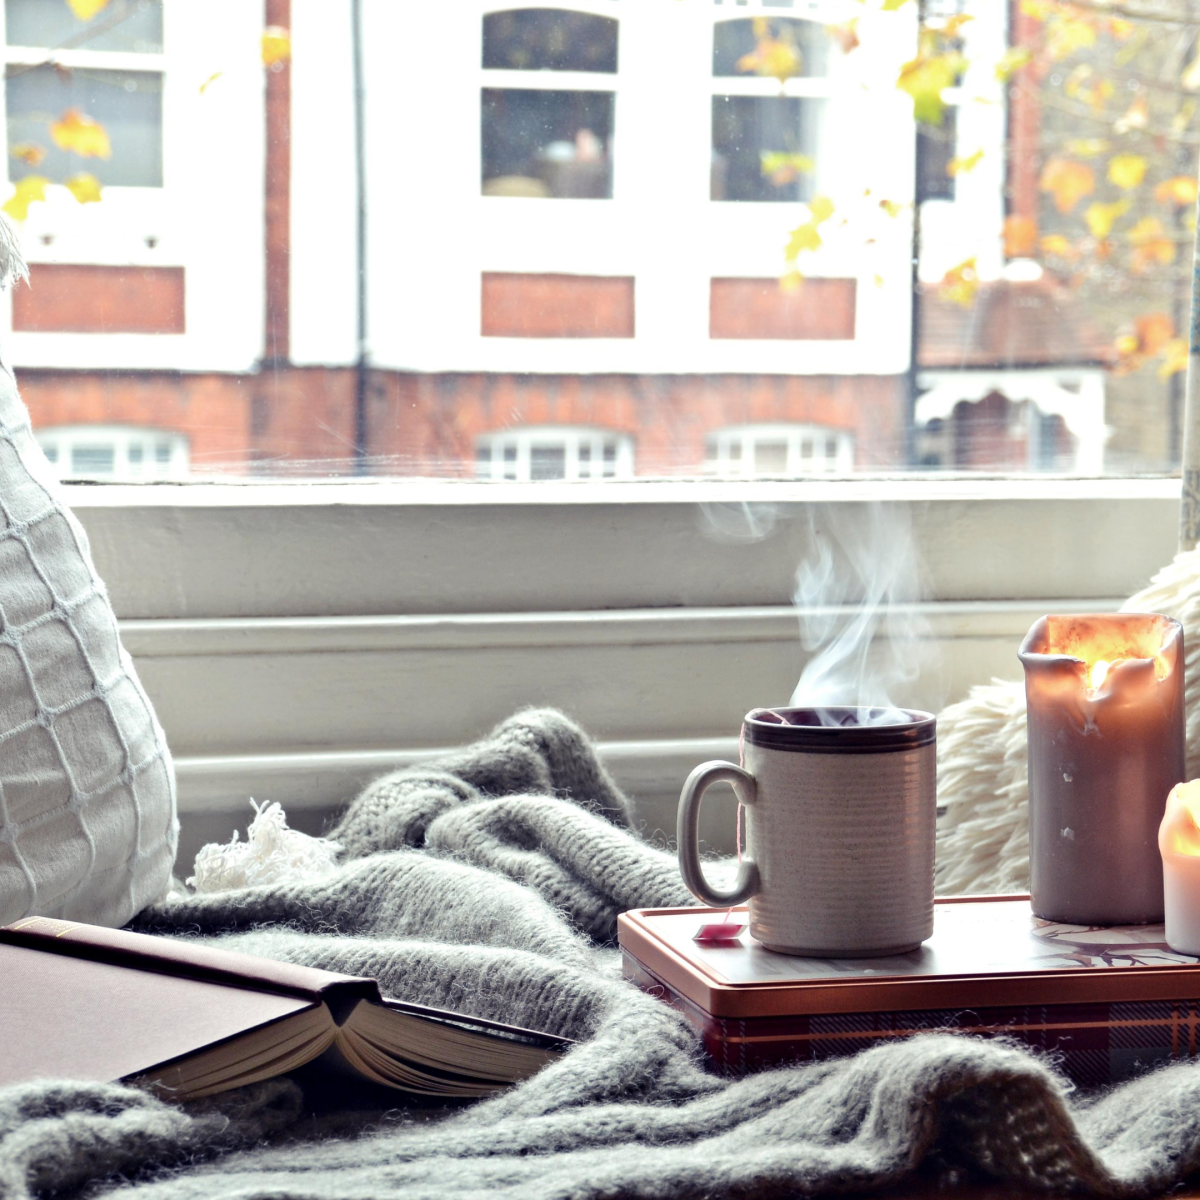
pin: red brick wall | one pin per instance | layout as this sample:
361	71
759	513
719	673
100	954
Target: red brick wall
761	308
1024	119
77	298
542	306
299	421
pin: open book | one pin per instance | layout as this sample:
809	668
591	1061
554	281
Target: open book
187	1020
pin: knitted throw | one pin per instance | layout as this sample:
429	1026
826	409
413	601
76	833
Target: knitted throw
492	885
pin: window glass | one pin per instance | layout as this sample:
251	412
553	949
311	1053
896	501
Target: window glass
747	131
133	26
549	39
735	41
547	143
126	104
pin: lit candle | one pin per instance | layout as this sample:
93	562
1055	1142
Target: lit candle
1106	719
1179	844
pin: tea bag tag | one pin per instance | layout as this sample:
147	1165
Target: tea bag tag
725	930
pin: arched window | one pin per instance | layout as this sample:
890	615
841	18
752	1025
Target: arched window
549	39
554	452
539	140
785	450
114	452
734	40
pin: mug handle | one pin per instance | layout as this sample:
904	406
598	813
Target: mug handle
688	834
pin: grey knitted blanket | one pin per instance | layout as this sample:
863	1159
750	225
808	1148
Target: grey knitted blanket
491	885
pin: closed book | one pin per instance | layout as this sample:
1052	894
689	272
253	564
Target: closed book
1107	1002
187	1020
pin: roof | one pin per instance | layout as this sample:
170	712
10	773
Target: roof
1030	323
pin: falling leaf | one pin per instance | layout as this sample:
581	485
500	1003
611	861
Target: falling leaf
1100	218
781	168
85	10
1020	236
892	5
1153	332
210	81
960	283
1175	358
924	78
1067	181
960	166
772	57
1086	147
1180	189
791	281
84	187
1137	116
77	132
878	280
1011	61
1151	244
25	192
1057	246
276	45
807	236
845	34
893	208
29	153
1126	170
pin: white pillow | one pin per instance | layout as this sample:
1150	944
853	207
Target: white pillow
87	791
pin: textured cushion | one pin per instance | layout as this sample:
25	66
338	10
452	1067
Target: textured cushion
87	791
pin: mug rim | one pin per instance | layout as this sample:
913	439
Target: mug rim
919	730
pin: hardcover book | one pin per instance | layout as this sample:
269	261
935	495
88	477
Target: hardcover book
1106	1001
187	1020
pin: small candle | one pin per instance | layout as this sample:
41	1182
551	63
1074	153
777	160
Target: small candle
1106	721
1179	844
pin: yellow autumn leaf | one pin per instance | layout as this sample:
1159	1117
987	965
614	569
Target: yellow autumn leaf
25	192
1151	244
878	280
84	187
1175	358
782	168
1126	170
30	153
1086	147
960	283
276	45
821	208
924	78
210	81
893	208
1067	181
1153	331
893	5
1020	236
791	281
1011	61
1067	35
1100	218
77	132
85	10
803	237
1058	246
1180	189
960	166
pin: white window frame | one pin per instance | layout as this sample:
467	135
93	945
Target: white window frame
747	438
571	439
61	441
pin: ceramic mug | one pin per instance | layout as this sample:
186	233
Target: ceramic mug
839	829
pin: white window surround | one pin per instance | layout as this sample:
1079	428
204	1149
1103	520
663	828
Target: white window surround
588	452
299	639
735	451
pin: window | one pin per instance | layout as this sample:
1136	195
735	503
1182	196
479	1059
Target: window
545	141
554	453
734	41
114	452
779	451
78	91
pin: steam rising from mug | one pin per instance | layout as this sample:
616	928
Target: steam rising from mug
856	596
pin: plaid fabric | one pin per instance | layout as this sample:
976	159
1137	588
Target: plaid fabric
1093	1044
87	793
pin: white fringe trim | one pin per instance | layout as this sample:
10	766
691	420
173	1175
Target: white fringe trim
271	853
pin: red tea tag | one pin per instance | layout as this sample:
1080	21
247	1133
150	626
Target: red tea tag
724	931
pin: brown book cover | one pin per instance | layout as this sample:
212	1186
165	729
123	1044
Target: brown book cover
83	1002
1106	1001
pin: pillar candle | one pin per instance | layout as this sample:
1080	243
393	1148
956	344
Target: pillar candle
1179	844
1106	721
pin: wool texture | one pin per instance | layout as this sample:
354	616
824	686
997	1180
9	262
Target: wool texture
983	777
459	888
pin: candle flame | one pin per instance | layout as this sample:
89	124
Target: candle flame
1100	669
1179	832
